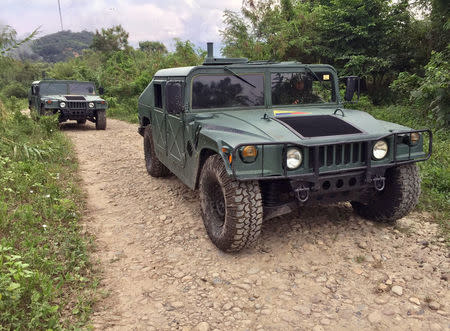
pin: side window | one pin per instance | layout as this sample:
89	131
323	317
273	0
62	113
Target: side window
174	98
157	89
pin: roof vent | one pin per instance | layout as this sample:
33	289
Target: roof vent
210	59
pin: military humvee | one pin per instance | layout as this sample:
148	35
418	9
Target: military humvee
259	139
72	100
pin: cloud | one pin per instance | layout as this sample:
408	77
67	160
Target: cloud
196	20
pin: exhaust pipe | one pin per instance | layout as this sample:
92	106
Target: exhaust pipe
210	49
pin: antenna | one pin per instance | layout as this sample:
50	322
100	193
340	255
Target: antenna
60	16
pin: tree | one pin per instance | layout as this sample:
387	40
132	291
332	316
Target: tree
110	40
152	47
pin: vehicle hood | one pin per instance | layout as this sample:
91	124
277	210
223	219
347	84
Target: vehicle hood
66	98
307	126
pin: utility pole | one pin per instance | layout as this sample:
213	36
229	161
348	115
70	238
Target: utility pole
60	16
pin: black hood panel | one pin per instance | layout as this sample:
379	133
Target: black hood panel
75	97
319	126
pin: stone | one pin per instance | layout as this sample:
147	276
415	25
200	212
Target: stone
441	312
162	217
325	321
245	287
434	305
227	306
380	301
202	326
362	245
357	270
321	279
375	317
382	287
397	290
302	309
415	301
177	304
317	328
388	282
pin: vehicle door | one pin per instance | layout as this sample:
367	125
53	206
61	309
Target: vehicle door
174	109
159	119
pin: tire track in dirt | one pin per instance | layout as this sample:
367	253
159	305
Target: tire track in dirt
326	269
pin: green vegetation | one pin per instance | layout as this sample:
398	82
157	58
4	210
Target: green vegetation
45	272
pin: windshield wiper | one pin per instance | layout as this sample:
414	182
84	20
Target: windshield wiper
239	77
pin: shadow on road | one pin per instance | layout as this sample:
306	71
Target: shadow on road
74	126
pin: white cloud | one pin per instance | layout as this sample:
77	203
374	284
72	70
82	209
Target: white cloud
196	20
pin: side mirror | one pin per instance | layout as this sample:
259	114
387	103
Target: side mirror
174	97
101	90
352	85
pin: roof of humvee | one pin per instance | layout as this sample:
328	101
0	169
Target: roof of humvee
185	71
58	81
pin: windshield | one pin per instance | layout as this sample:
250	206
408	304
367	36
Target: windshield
292	88
52	88
221	91
81	88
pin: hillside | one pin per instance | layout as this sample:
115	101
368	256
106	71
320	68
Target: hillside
62	45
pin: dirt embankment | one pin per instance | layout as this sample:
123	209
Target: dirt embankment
324	269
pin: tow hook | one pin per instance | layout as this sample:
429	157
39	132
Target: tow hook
302	193
379	183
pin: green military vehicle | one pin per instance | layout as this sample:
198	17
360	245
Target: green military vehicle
260	139
72	100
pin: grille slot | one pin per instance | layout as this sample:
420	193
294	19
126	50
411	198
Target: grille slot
339	155
77	105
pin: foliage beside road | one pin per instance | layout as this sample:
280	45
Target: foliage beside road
46	279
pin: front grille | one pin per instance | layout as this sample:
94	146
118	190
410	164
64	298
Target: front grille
77	105
340	155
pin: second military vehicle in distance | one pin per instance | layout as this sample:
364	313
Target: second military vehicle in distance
72	100
259	139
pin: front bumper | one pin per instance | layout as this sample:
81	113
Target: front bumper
317	168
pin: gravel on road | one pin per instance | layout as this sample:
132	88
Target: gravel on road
323	268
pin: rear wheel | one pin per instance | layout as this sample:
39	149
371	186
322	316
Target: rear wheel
232	211
399	197
154	167
100	121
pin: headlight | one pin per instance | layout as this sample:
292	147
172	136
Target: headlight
380	149
293	158
248	153
91	105
62	104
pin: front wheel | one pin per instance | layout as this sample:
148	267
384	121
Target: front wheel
100	121
399	197
232	211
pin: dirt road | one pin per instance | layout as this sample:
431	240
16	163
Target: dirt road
324	269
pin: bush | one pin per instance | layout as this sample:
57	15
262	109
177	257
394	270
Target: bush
14	89
404	85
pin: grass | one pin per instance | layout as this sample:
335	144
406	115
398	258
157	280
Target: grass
46	277
125	109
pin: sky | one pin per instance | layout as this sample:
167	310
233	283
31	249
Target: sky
196	20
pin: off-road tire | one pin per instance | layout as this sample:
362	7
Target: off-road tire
238	223
398	198
154	166
100	120
83	121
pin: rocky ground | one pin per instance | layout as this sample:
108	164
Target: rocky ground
321	269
